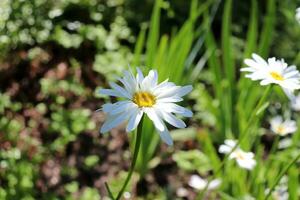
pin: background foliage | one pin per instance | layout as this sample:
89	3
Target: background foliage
55	55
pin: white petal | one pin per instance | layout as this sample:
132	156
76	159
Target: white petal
230	143
252	65
139	76
150	81
129	86
290	74
257	75
166	137
184	90
121	107
265	82
130	80
113	121
110	92
134	120
174	108
120	90
170	92
154	78
171	119
162	86
174	91
107	107
158	123
259	59
169	99
246	163
224	149
289	85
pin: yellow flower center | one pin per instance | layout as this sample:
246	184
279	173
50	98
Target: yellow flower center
280	129
144	99
240	156
277	76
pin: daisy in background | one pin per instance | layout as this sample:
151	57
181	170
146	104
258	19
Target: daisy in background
273	71
199	183
281	191
144	95
282	128
244	159
295	103
298	15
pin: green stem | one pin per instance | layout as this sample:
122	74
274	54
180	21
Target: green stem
275	144
253	116
283	172
256	111
109	191
135	155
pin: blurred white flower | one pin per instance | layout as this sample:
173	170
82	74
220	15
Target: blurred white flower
281	191
182	192
274	71
244	159
298	14
280	127
295	102
145	95
285	143
199	183
127	195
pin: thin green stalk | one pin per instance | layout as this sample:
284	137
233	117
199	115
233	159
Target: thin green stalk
275	144
256	112
109	191
134	159
283	172
135	155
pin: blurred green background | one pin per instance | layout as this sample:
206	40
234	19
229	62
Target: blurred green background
55	54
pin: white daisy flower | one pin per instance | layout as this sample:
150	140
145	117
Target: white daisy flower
295	103
281	191
145	95
280	127
244	159
298	14
274	71
199	183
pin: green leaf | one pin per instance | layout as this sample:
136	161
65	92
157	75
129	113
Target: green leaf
268	29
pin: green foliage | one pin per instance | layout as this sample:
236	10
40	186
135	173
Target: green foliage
55	54
18	174
163	54
69	123
112	62
91	161
191	160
